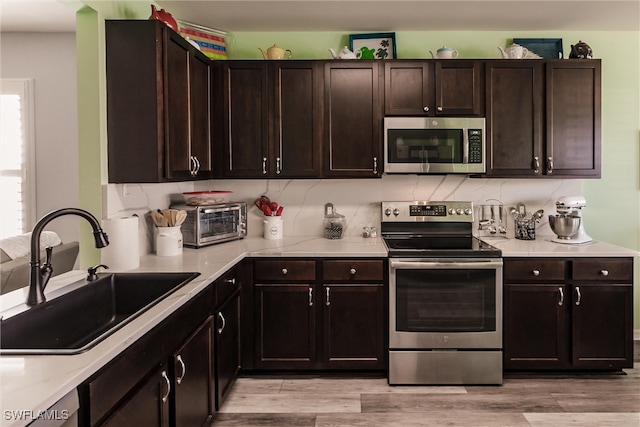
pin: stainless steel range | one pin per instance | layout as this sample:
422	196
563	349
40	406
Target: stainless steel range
445	296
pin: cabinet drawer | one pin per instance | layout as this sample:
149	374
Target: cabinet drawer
603	269
533	270
226	285
345	270
285	269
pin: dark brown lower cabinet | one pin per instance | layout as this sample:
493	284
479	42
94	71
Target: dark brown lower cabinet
227	346
147	406
192	379
568	314
331	315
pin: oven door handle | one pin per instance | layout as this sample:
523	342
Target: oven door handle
444	264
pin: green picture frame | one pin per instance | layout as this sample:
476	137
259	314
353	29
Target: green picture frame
373	45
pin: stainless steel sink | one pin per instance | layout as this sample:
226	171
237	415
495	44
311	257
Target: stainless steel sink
78	320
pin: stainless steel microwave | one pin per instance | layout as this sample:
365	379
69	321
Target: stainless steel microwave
437	145
216	223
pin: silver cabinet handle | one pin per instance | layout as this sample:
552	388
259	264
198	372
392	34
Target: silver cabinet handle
536	164
375	166
425	109
183	368
168	383
285	271
439	109
578	295
352	271
536	272
328	301
224	323
278	165
231	281
192	166
197	165
561	302
604	272
310	297
264	166
550	165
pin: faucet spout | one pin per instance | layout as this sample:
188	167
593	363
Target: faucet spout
39	277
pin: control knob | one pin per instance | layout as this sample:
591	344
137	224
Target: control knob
459	211
396	211
387	212
467	211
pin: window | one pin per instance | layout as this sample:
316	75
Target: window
17	157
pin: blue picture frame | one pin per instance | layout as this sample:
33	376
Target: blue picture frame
545	48
373	45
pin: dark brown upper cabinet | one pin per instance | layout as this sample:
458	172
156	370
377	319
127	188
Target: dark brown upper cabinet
268	115
158	104
352	139
543	118
434	88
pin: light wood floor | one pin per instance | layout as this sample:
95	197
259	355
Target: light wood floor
541	400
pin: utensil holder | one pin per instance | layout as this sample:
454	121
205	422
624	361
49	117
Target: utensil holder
273	227
169	241
525	229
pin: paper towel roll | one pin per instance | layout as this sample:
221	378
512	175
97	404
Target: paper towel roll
123	252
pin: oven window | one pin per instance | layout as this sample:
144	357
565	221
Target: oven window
218	223
456	300
425	145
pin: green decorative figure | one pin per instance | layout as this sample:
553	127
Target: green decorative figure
366	53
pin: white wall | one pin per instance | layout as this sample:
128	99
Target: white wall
50	59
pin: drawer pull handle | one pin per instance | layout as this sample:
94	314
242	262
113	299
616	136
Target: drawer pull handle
578	295
168	383
604	272
536	272
183	369
224	323
561	302
328	302
230	281
352	271
310	297
285	271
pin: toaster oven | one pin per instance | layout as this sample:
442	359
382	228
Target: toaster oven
215	223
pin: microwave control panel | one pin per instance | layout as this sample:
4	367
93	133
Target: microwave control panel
475	145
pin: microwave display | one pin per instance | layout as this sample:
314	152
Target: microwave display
434	145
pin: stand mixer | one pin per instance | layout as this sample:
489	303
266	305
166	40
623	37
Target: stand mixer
568	224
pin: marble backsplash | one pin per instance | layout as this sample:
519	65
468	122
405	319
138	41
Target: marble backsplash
357	199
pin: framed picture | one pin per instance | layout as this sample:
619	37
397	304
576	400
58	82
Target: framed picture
373	46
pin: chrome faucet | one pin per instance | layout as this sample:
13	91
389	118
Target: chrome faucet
39	276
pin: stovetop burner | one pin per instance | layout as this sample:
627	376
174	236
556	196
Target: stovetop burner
432	229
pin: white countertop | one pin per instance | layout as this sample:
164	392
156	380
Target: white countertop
35	383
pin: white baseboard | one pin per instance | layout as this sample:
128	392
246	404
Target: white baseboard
636	334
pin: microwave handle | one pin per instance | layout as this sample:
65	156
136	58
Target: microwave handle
465	146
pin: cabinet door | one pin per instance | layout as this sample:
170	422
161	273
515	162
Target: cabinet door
147	406
244	119
459	88
514	118
602	325
535	326
573	118
353	324
193	385
353	123
285	326
177	106
200	114
408	88
295	143
227	347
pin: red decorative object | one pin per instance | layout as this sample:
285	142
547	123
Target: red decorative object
161	15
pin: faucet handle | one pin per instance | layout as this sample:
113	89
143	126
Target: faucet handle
91	272
47	269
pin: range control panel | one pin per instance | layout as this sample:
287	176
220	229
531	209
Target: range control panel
424	211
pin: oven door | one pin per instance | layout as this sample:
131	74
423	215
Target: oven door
445	303
220	223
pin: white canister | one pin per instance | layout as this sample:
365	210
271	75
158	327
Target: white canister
169	241
273	227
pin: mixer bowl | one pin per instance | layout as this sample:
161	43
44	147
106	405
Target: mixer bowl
564	226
